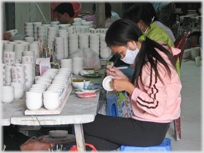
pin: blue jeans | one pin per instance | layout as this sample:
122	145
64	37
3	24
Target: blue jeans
129	71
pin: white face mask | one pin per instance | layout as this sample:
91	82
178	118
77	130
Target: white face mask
130	55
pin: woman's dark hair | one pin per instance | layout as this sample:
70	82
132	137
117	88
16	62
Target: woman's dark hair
107	9
137	12
124	30
65	7
142	11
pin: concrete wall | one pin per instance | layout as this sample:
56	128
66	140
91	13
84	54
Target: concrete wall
29	12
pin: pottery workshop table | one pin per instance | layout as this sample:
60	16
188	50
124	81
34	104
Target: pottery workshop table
76	111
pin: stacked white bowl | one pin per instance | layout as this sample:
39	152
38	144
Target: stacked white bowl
28	29
73	42
71	30
29	39
64	35
77	23
7	94
59	48
64	26
88	23
51	34
94	31
42	34
66	63
26	44
8	47
4	42
29	74
18	49
94	42
8	70
84	29
35	30
34	99
18	74
53	23
49	90
35	47
18	90
77	65
29	58
9	57
3	77
83	41
50	73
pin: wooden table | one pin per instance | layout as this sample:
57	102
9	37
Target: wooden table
76	111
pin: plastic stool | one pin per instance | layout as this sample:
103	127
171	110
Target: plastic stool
112	107
164	146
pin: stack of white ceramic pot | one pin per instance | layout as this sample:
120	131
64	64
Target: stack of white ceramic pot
71	30
29	58
55	24
28	29
3	74
8	72
7	94
35	47
83	41
66	63
64	26
64	35
35	30
94	42
73	42
29	39
18	74
18	90
49	90
18	49
42	34
59	47
77	65
9	57
52	32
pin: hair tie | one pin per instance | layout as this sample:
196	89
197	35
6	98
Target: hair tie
142	38
153	18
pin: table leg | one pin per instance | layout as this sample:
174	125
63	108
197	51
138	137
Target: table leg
79	134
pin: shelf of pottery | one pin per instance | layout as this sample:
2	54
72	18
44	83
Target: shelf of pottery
60	40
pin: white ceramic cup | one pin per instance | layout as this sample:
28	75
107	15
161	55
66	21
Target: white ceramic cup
106	83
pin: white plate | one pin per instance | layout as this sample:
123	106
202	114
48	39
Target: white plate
106	83
58	133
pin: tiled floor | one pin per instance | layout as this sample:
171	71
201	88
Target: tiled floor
191	110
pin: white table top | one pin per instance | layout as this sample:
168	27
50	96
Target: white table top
75	111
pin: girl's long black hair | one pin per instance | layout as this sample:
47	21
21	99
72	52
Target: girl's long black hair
124	30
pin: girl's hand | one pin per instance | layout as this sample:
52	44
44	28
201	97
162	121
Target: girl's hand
117	74
121	85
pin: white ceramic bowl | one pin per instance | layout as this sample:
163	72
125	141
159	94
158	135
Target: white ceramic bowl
33	95
7	97
80	83
58	133
106	83
18	93
7	89
34	104
17	85
51	104
39	86
51	95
